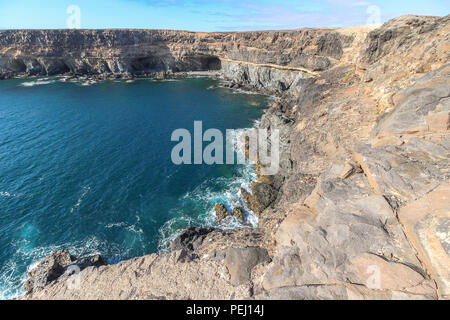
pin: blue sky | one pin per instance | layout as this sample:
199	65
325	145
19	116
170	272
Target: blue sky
208	15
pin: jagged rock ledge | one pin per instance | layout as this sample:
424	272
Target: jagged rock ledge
360	208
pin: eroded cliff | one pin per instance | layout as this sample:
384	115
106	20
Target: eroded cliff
360	208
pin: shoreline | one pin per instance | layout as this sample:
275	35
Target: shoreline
161	75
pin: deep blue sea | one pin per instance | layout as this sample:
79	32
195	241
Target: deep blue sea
88	167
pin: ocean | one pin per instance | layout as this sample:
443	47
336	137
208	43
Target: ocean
87	167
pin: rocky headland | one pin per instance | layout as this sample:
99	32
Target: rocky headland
360	208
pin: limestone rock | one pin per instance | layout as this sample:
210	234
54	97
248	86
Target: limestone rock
389	37
439	122
263	195
275	119
91	261
271	61
286	234
152	277
252	202
218	241
348	170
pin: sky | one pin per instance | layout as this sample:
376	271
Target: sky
208	15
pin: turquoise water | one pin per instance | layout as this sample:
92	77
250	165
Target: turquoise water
88	168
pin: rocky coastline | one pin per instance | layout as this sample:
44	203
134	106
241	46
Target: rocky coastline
360	207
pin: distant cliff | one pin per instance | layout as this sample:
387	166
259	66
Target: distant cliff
360	208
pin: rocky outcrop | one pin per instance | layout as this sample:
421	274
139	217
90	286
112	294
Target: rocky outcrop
426	224
359	208
190	239
238	213
241	261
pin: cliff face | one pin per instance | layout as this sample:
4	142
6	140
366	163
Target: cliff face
360	208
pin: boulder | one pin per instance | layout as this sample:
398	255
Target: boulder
190	239
54	266
402	174
238	213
